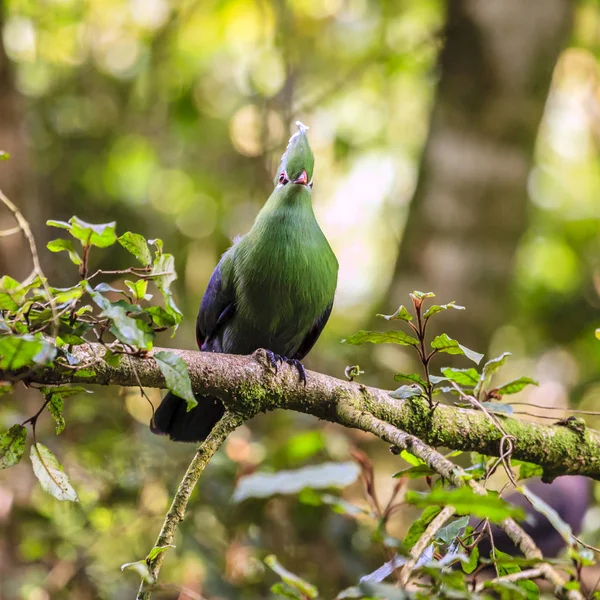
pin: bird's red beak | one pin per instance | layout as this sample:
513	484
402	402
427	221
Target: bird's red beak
302	179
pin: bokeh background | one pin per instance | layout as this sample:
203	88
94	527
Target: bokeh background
457	151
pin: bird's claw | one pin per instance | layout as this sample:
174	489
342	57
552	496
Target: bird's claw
293	362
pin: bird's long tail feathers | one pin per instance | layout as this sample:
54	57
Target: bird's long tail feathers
172	418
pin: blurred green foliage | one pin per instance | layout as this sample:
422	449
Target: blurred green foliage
169	117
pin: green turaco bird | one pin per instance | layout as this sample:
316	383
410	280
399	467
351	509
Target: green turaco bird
272	289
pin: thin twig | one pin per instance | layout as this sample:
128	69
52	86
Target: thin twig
228	423
424	541
37	269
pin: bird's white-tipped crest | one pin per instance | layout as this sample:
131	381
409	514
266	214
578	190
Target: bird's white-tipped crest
302	128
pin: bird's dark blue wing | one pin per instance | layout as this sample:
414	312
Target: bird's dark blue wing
217	307
313	335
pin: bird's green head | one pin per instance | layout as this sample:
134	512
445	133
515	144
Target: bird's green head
297	162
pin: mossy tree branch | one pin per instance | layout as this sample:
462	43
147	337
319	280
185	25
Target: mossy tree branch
247	385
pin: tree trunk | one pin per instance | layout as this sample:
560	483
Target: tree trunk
469	209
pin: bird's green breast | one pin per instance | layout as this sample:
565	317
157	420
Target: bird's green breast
285	273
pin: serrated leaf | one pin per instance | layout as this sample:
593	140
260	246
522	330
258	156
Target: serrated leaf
157	550
444	343
141	568
304	587
176	376
51	474
498	408
12	294
466	501
450	532
527	469
401	314
415	472
490	367
469	566
436	308
55	396
323	476
465	377
137	245
515	386
381	337
18	351
12	446
407	391
410	377
160	317
60	245
421	295
137	288
418	527
126	329
163	271
102	235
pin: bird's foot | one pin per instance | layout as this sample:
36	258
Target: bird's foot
293	362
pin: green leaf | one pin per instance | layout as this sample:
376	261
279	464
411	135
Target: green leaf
410	377
304	587
138	288
450	532
60	245
465	377
381	337
401	314
436	308
407	391
417	529
12	446
50	474
283	590
498	408
59	224
176	376
506	565
56	405
527	469
411	459
163	272
160	317
490	367
18	351
466	501
323	476
515	386
444	343
415	472
126	329
12	294
469	566
141	568
101	236
422	295
4	155
137	245
545	509
158	550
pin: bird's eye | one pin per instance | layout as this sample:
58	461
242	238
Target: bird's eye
283	178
